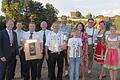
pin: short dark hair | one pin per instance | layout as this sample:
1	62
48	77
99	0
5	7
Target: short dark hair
19	21
32	23
102	22
83	27
63	16
90	19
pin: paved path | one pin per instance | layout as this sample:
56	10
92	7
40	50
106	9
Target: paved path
91	76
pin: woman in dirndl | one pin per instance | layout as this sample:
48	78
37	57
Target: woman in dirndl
100	48
112	55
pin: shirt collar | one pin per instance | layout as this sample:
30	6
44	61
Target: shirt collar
44	30
18	30
56	33
31	32
8	30
90	28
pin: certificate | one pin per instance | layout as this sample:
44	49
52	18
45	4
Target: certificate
33	49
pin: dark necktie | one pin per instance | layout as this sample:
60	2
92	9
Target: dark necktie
44	39
31	35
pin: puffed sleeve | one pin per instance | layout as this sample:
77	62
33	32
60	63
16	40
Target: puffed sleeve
118	37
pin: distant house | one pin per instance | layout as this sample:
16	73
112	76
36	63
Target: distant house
72	14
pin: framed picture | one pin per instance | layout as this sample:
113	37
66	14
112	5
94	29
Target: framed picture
33	49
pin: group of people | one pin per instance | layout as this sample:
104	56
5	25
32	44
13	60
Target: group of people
72	49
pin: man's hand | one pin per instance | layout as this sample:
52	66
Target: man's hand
17	57
64	46
3	59
46	53
20	48
46	56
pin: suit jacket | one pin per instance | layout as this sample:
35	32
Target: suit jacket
5	49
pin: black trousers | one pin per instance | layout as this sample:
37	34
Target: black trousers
66	60
6	69
39	67
22	60
53	59
30	67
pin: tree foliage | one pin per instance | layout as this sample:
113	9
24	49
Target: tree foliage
89	15
79	14
2	22
29	11
99	16
117	22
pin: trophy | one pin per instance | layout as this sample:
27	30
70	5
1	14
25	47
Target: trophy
65	38
76	50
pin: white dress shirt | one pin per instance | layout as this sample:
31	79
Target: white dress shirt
10	33
41	32
26	35
19	36
90	31
54	40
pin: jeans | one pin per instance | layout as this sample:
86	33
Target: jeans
74	65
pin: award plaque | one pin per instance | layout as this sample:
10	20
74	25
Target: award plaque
33	49
65	40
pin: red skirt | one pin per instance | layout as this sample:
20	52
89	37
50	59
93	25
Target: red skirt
99	52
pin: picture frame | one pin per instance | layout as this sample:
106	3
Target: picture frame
33	49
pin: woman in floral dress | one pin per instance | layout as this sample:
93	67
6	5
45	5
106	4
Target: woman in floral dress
84	56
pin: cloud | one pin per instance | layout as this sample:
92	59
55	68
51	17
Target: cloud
110	12
96	7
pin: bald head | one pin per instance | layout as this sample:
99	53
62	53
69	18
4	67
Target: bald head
43	25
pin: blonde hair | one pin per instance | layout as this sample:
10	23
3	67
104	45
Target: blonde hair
54	24
74	31
113	26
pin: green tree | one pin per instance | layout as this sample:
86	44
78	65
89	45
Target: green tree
99	16
51	14
29	11
2	22
78	14
89	15
117	22
36	13
12	9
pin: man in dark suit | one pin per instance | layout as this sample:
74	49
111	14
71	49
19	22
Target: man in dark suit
8	51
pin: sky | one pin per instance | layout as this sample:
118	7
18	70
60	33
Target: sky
96	7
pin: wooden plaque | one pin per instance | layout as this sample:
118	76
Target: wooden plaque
33	49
